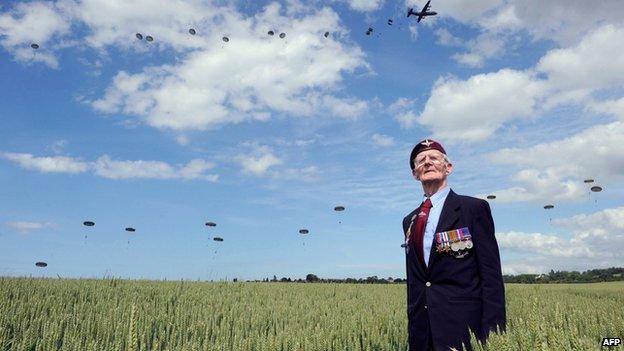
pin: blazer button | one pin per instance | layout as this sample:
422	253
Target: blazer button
425	306
428	284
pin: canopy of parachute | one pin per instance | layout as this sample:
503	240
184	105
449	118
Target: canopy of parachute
130	229
491	197
192	31
596	189
41	264
216	238
587	181
211	224
339	208
88	223
548	207
303	231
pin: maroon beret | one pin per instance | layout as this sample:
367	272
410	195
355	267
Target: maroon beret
424	145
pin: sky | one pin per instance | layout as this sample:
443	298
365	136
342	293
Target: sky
264	135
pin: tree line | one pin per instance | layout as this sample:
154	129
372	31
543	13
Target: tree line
589	276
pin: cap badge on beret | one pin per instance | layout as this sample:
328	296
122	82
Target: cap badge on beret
424	145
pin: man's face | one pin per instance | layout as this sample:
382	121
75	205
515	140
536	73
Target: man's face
430	165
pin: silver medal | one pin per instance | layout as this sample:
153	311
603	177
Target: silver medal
455	246
469	244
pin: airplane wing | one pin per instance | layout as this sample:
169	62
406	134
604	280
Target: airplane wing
419	18
427	6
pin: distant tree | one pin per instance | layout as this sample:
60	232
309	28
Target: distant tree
310	278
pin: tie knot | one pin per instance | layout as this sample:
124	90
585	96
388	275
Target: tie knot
427	203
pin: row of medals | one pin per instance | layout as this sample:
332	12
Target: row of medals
456	246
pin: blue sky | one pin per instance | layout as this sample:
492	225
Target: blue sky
265	135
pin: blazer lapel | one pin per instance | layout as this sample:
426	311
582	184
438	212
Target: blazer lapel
448	219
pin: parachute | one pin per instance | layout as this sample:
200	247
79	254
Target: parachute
369	31
88	223
596	189
282	35
587	181
548	207
41	264
303	231
130	229
216	238
149	38
491	197
339	208
211	224
139	36
390	21
192	31
326	34
34	46
270	32
225	39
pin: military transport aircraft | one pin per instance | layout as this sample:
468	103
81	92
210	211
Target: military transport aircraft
423	13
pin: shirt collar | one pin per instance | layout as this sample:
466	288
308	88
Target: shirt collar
439	197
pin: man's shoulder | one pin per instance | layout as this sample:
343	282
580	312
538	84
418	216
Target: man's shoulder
471	201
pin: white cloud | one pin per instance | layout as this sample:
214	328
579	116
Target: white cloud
33	23
403	111
597	62
211	82
258	161
610	107
247	78
382	140
306	174
472	110
27	227
446	38
555	170
111	169
590	241
485	46
365	5
542	244
564	21
348	108
55	164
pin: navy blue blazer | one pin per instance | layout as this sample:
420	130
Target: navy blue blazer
452	295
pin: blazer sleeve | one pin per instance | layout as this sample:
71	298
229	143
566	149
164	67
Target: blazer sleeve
492	288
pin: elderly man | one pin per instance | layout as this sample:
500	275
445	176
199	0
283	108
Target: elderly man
454	279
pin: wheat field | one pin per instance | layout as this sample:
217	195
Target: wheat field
113	314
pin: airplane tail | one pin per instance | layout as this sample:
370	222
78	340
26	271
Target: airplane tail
410	12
